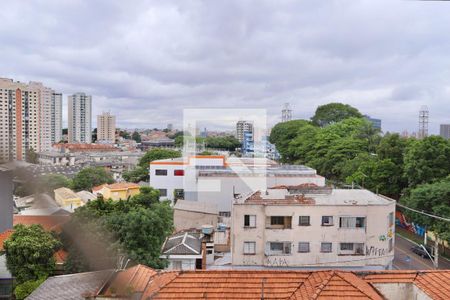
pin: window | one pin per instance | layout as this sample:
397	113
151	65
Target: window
249	248
303	221
303	247
276	220
326	247
351	249
179	194
327	221
250	221
160	172
163	192
279	222
279	248
178	172
352	222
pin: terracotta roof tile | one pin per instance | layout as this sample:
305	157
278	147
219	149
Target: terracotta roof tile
4	236
53	222
434	284
134	279
60	256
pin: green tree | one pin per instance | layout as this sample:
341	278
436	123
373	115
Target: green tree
23	290
136	136
427	160
31	156
136	227
228	142
87	178
156	154
29	253
334	112
136	175
281	136
124	134
50	182
433	198
94	135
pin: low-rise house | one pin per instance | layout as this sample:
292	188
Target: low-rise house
143	283
117	191
184	251
314	228
65	197
86	196
194	214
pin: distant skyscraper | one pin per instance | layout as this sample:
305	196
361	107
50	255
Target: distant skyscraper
445	131
376	123
106	128
286	113
423	122
241	127
170	126
80	115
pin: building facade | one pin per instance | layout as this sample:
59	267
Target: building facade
376	123
80	116
106	128
445	131
216	179
56	118
20	119
313	228
241	128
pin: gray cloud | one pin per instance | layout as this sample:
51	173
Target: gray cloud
146	61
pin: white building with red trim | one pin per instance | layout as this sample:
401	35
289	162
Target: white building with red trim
218	179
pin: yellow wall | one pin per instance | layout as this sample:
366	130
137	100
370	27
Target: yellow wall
119	194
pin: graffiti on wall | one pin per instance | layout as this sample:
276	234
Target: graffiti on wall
275	262
401	221
376	251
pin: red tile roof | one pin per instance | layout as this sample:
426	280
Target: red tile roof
435	284
4	236
272	284
53	222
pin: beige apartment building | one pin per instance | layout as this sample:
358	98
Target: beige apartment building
313	228
29	118
106	128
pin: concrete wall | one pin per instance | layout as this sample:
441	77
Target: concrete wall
6	199
375	235
401	291
188	219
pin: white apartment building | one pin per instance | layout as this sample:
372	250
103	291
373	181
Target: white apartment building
241	127
80	116
20	120
56	118
317	227
106	128
217	180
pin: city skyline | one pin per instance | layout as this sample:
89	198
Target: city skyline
387	59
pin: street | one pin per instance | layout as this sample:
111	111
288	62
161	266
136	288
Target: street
405	259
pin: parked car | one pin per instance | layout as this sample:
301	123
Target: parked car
421	252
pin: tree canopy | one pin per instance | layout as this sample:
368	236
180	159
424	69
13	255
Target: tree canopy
135	228
334	112
156	154
87	178
29	253
136	137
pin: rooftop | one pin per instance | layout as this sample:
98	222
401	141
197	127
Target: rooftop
197	206
183	243
116	186
4	236
53	222
280	196
66	193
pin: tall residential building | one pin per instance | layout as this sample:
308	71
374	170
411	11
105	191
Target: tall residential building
445	131
80	115
20	120
241	127
106	128
286	113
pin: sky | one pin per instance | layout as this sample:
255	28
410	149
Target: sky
147	61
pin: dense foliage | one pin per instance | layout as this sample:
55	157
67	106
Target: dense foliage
334	112
351	151
29	257
433	198
87	178
228	142
136	137
135	228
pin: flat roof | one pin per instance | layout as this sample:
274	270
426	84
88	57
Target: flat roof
335	197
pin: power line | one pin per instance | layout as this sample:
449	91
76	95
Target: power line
424	213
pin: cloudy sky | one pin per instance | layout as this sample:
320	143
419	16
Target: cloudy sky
146	61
